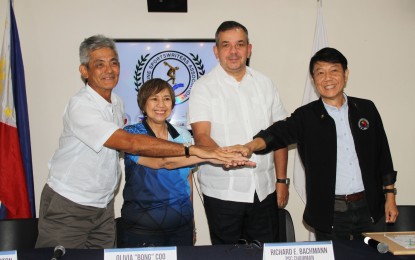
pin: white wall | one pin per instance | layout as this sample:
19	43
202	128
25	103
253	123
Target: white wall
377	36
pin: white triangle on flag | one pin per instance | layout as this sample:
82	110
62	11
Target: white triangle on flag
320	41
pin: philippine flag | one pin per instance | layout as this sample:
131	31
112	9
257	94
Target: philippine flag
16	174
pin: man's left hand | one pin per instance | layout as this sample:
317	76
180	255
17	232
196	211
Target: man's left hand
391	210
282	194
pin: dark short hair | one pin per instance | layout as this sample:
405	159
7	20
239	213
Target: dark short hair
151	87
329	55
228	25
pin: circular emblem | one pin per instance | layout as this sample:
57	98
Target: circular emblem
363	124
178	69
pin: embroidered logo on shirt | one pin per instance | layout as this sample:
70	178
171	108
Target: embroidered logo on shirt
363	124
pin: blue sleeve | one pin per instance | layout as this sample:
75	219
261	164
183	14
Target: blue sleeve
185	136
134	129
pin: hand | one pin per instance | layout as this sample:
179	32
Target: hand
282	195
244	150
391	210
219	155
233	164
239	164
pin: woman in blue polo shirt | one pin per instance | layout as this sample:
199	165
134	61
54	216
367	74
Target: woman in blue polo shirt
157	209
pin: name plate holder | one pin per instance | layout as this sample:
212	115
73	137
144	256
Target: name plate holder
321	250
9	255
141	253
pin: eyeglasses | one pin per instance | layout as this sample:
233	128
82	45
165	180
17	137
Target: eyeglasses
238	46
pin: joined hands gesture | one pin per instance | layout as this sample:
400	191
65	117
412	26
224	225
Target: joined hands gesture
227	157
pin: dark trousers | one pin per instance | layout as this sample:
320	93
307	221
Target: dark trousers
130	236
230	221
351	219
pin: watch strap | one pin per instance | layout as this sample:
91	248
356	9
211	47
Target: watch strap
186	149
394	191
285	181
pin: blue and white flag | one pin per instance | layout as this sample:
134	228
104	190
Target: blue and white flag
320	41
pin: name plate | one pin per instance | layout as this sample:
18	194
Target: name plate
321	250
143	253
8	255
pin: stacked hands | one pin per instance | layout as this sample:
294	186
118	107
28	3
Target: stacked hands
230	156
238	156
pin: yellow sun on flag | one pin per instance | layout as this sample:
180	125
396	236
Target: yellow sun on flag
8	112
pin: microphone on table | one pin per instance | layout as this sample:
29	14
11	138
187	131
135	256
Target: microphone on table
380	247
58	252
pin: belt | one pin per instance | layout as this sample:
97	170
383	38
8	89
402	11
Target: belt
351	197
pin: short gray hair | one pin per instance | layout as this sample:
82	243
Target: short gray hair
94	43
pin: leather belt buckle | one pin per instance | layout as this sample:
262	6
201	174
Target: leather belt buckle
351	197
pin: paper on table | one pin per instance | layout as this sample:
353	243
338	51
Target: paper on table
406	241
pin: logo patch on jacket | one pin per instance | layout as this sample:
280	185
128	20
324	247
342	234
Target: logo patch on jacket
363	124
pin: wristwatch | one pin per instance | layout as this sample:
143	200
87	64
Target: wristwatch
186	149
394	191
285	181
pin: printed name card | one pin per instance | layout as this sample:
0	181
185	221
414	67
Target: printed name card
8	255
143	253
322	250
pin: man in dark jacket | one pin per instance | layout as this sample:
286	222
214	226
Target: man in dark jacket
344	149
